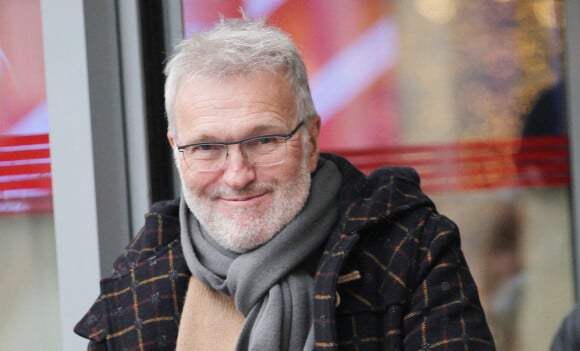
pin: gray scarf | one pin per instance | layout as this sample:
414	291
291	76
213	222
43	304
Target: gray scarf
270	285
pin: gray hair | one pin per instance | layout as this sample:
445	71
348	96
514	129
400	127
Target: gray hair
236	47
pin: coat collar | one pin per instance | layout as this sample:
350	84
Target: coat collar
385	193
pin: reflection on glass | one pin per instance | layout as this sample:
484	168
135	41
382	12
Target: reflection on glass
29	293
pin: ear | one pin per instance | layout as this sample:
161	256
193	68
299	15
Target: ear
171	140
314	150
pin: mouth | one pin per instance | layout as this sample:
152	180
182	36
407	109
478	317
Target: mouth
244	200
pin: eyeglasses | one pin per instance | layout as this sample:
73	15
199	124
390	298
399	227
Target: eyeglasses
259	151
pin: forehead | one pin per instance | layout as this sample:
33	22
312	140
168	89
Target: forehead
233	107
243	94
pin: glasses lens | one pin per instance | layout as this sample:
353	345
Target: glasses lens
205	157
265	151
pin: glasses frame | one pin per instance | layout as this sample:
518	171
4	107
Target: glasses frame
286	137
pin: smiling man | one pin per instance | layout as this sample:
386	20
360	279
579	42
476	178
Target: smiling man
273	245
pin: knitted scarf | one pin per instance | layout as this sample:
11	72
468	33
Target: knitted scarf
270	285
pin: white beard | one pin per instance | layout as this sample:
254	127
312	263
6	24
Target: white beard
247	228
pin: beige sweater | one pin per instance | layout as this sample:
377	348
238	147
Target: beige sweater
209	320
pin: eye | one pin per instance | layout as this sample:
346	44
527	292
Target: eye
204	150
205	147
266	140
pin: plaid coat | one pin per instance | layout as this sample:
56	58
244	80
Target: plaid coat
391	277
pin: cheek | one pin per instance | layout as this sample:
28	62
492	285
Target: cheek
195	182
290	169
301	156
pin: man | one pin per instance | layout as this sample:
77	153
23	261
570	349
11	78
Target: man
273	246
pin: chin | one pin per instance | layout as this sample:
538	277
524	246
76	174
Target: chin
241	229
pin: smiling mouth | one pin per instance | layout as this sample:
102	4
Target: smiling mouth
246	198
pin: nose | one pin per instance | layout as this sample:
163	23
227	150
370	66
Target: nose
238	173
